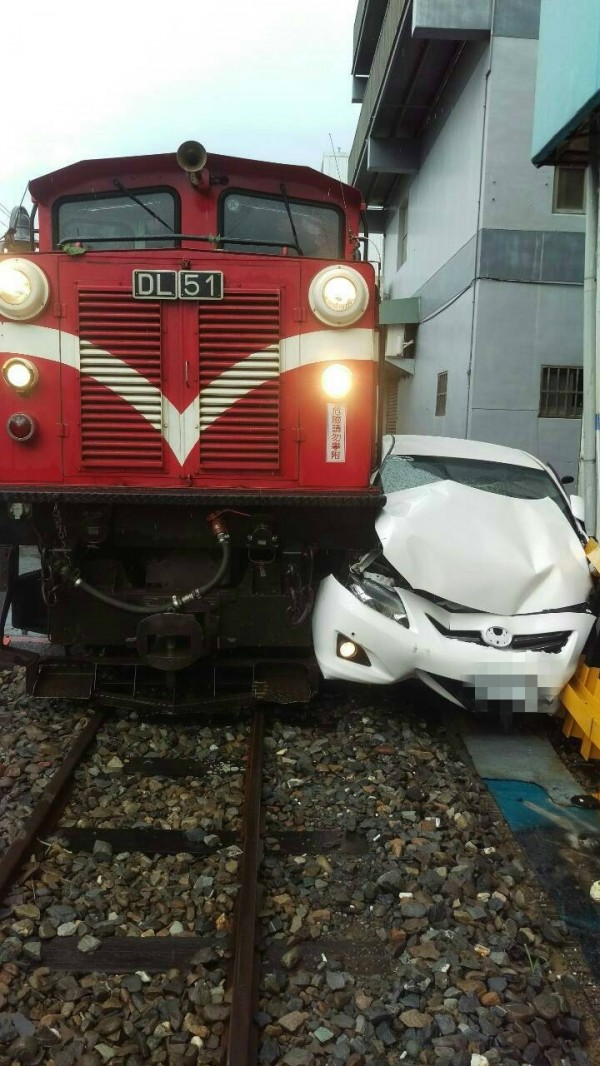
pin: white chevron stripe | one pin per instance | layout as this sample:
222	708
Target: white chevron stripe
181	430
39	342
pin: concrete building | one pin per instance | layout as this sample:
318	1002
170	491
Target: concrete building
566	134
483	260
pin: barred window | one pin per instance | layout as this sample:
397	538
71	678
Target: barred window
442	393
561	392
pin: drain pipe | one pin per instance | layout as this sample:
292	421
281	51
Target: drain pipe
480	206
591	317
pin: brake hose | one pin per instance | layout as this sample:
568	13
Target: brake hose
176	602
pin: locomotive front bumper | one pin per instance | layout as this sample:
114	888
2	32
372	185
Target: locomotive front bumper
447	651
313	513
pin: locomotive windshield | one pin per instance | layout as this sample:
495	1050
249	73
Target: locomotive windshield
119	220
253	217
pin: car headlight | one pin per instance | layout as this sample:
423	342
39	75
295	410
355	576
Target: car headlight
386	601
338	295
336	381
20	374
24	289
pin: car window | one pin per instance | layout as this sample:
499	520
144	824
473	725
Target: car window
400	472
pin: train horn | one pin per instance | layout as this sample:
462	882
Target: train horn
192	156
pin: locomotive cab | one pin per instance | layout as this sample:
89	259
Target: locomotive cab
189	400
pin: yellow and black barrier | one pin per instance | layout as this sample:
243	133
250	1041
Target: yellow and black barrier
581	699
581	695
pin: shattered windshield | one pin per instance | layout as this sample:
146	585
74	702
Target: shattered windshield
118	220
400	472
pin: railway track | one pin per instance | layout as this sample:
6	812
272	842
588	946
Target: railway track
330	887
24	861
239	1046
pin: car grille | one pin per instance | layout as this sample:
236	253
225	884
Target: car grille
548	642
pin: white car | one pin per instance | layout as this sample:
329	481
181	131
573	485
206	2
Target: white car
479	584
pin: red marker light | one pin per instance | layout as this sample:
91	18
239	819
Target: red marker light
20	428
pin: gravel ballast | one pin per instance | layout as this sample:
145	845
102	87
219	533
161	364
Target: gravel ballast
434	945
407	928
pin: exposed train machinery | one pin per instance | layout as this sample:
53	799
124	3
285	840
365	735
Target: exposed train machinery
188	395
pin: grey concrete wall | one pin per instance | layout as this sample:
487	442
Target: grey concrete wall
516	195
519	329
517	18
443	196
443	344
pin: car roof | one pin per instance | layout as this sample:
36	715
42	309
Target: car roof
457	448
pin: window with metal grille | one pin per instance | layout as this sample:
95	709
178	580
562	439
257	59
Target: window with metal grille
561	392
569	190
442	393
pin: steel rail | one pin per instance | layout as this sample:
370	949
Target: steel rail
49	806
241	1041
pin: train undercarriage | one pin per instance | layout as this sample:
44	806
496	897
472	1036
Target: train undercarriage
172	600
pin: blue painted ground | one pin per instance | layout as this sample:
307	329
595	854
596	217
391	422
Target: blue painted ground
528	806
548	832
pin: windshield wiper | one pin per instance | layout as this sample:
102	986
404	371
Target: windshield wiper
208	238
118	185
296	244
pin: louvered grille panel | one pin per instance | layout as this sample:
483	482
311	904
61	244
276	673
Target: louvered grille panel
120	380
239	382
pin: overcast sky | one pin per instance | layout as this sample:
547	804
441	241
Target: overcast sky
269	79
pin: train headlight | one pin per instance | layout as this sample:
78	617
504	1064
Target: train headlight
338	295
24	289
336	381
15	286
20	374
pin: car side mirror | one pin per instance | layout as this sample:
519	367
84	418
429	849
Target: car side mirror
577	507
568	479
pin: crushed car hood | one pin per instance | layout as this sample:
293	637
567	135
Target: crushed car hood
487	552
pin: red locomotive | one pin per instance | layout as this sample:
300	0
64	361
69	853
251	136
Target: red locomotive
189	406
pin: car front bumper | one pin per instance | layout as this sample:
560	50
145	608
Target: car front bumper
433	648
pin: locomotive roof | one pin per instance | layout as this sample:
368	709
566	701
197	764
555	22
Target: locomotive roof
62	181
